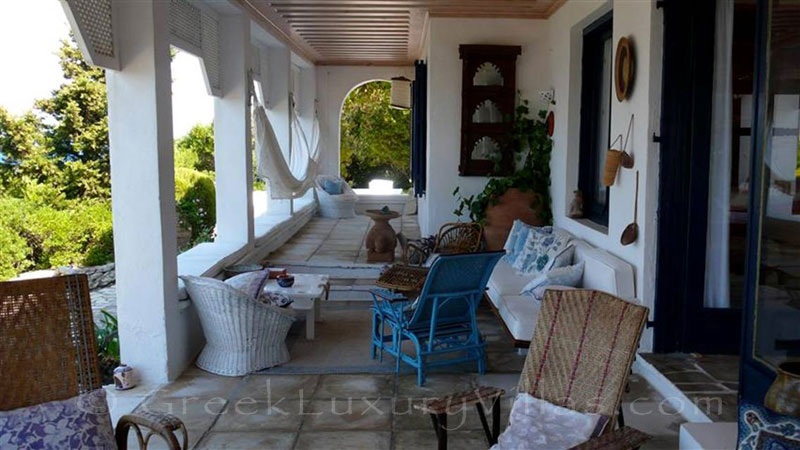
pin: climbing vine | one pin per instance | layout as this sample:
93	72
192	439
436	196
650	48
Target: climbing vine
532	144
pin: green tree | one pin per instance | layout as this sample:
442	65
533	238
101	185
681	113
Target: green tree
24	153
78	140
376	139
196	149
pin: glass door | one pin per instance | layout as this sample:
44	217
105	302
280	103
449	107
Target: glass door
772	314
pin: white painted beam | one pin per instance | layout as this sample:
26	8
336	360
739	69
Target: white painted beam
233	157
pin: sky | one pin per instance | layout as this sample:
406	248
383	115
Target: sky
30	31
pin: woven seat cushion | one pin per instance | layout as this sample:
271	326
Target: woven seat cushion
82	421
535	424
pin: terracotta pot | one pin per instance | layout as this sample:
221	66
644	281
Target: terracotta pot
512	205
783	396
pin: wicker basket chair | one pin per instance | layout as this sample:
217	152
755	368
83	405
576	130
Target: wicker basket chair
46	329
242	335
580	356
456	237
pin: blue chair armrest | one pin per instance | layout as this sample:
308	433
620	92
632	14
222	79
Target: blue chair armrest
387	295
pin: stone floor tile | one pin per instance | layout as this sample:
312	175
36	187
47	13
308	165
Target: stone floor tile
275	387
456	440
505	362
353	414
349	440
355	386
688	377
199	383
407	417
271	440
249	415
436	385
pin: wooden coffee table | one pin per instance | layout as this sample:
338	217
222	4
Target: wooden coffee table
306	292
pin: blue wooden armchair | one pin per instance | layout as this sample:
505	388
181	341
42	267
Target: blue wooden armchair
441	320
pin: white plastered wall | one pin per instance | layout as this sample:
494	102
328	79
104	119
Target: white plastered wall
551	58
444	100
334	83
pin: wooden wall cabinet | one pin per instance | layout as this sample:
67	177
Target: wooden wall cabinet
487	108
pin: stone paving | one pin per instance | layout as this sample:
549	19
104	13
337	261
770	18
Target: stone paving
710	381
326	241
357	410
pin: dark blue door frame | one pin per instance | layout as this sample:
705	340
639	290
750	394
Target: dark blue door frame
755	376
682	324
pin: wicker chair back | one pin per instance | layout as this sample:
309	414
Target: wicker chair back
582	350
48	349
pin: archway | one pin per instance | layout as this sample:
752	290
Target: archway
375	139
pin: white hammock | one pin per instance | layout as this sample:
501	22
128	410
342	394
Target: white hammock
287	179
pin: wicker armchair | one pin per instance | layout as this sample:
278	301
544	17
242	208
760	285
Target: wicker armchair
242	335
457	237
580	357
46	329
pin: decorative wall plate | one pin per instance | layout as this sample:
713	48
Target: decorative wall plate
624	66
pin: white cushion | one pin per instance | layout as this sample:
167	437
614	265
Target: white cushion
535	424
519	313
505	280
605	272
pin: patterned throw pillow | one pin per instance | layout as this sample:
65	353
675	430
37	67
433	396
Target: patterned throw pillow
79	422
517	237
535	424
563	276
275	299
761	429
332	187
542	250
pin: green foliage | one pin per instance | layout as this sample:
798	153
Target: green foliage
532	143
14	254
64	233
376	139
196	149
107	336
195	197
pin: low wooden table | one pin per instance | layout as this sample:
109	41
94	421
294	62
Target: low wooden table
306	292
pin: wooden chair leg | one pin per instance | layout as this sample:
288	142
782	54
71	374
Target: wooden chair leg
494	433
621	418
440	427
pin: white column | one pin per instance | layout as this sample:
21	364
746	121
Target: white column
233	158
278	96
143	190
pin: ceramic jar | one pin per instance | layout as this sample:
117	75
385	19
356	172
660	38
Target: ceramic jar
124	377
783	396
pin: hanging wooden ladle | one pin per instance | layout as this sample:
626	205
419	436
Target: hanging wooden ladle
631	232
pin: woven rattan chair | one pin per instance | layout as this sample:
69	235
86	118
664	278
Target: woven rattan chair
458	237
580	357
48	352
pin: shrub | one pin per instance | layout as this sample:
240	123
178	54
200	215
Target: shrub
14	253
195	198
40	236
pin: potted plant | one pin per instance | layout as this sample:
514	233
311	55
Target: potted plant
523	195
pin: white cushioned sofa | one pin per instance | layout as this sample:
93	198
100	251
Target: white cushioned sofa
602	271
